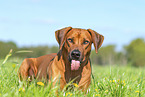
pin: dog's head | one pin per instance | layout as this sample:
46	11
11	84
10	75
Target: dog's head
77	43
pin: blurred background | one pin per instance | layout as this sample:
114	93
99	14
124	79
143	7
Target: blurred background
31	25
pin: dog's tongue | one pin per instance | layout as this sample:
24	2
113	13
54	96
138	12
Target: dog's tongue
75	65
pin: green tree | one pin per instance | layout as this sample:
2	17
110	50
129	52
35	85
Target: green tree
120	58
54	49
106	55
135	52
36	51
5	48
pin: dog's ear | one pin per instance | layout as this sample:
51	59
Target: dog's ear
97	39
60	37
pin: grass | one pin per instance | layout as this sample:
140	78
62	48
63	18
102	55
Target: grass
109	81
119	81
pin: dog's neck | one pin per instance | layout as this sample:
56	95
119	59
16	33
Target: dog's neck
71	74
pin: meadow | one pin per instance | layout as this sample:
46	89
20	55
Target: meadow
108	81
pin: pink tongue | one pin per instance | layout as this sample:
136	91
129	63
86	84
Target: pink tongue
75	65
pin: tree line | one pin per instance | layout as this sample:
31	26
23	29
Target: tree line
132	54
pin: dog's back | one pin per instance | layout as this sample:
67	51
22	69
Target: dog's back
35	67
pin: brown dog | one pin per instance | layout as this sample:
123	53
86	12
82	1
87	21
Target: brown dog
70	63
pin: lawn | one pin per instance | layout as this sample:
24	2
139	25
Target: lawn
109	81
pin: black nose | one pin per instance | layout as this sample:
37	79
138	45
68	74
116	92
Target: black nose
75	54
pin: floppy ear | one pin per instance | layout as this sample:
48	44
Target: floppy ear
97	39
60	37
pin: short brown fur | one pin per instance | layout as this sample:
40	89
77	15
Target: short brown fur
58	66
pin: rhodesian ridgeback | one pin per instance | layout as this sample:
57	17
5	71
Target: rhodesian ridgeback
72	62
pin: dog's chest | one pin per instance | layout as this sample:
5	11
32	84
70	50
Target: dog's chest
74	76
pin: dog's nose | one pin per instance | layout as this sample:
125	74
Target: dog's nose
76	54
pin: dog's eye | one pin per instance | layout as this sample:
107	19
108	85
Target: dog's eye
70	40
86	42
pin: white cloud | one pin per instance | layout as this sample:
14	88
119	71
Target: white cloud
132	31
8	20
5	19
45	21
122	30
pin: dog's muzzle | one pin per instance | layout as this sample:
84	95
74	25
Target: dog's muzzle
75	62
75	54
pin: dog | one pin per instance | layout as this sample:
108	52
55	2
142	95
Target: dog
71	63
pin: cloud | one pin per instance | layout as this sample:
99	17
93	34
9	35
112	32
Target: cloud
9	20
126	30
133	31
107	28
45	21
5	19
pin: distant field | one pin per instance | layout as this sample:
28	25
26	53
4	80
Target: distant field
110	81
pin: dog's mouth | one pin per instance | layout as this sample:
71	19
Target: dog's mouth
75	58
75	64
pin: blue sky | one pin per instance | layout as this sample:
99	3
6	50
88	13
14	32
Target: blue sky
33	22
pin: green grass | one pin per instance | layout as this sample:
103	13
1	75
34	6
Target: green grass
109	81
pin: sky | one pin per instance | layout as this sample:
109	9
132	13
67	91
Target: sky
34	22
